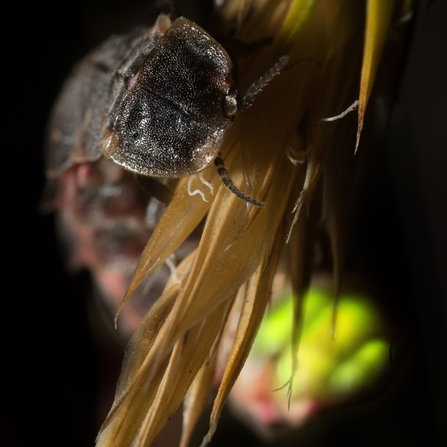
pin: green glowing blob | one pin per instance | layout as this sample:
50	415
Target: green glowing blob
329	368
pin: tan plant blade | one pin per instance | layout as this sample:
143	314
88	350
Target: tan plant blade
129	398
224	260
124	420
197	299
181	217
336	88
267	127
257	296
199	393
147	333
197	398
378	18
201	298
187	357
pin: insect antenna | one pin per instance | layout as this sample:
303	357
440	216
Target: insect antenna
257	86
223	174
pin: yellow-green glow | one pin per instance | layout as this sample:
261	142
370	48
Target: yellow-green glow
328	368
362	368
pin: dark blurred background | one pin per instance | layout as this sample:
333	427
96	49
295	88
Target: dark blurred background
53	367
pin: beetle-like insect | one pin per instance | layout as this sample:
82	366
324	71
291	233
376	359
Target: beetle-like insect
156	102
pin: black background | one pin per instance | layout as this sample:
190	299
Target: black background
50	366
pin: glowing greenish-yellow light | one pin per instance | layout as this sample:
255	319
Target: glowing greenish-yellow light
361	369
328	368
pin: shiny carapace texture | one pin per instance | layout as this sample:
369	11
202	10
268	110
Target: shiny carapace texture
157	102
